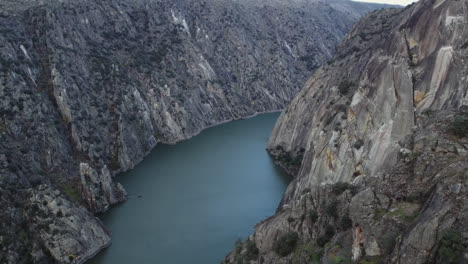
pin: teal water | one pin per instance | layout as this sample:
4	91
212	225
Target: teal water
190	202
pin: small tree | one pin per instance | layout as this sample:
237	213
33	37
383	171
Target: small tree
331	209
286	243
251	250
358	144
313	215
346	222
450	248
345	86
460	126
340	187
329	233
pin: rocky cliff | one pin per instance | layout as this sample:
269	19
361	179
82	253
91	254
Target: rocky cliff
87	88
377	145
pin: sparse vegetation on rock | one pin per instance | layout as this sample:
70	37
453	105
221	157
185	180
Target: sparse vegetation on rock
460	125
451	248
286	243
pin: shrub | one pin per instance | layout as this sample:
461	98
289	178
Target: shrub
371	260
322	240
345	86
388	242
313	215
35	207
251	250
316	257
73	192
460	126
59	213
286	243
358	144
250	253
329	231
238	246
331	209
306	253
339	260
340	187
346	222
450	248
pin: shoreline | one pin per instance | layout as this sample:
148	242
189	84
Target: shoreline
115	174
95	253
90	257
218	124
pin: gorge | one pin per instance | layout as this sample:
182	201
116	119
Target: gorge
88	88
375	142
189	202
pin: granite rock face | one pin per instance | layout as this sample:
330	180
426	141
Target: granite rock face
99	190
380	173
390	69
414	212
47	226
88	88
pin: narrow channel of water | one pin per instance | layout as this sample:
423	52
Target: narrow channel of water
188	203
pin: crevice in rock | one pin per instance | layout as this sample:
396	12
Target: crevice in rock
411	71
36	24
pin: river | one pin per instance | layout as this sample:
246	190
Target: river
190	202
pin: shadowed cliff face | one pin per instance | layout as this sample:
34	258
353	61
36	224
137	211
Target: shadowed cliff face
380	174
87	88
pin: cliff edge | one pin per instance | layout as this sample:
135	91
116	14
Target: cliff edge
377	144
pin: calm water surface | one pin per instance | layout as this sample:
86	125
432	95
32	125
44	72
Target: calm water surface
189	203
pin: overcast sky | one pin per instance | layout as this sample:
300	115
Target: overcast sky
393	2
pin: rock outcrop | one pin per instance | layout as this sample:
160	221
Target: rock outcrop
47	226
88	88
99	190
380	171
